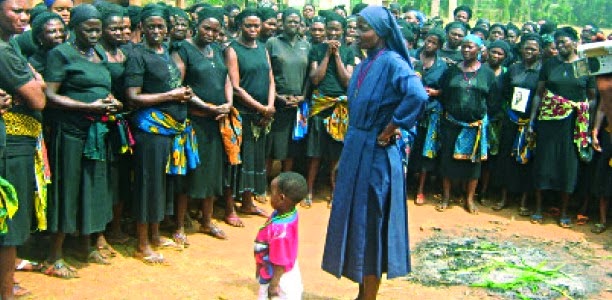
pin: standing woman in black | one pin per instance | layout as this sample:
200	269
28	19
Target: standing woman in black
153	84
18	82
200	61
253	82
79	94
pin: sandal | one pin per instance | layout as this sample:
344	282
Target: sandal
59	269
581	219
565	222
108	248
442	205
307	202
213	231
152	259
524	211
419	200
499	206
26	265
482	198
181	239
167	243
472	208
536	219
19	291
255	211
233	220
97	257
599	228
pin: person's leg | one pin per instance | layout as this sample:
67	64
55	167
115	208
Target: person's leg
287	165
116	234
471	190
7	271
483	195
603	210
182	203
332	179
103	246
313	169
371	283
231	217
420	196
57	243
504	198
446	190
207	225
565	220
536	218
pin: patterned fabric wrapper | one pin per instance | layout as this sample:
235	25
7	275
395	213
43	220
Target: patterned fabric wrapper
24	125
337	123
431	145
184	154
300	130
471	144
8	204
494	131
555	107
231	134
523	145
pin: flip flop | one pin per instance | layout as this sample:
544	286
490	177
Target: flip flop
181	239
255	211
599	228
213	231
442	205
419	200
97	257
536	219
26	265
19	291
167	243
472	208
307	203
524	212
107	248
565	222
233	220
154	259
59	269
581	219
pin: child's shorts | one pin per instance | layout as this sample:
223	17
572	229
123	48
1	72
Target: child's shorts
290	284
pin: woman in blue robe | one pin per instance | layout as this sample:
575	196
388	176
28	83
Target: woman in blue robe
367	233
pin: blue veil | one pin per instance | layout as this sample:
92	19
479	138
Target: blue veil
383	22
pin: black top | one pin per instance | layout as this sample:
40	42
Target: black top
155	73
451	57
520	76
330	85
465	95
205	75
289	64
560	80
254	72
117	72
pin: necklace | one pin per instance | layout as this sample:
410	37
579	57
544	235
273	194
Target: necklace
280	217
89	53
208	53
469	79
364	71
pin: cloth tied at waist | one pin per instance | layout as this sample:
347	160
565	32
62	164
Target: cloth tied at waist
555	107
523	145
231	135
431	145
8	204
471	144
24	125
184	154
300	130
95	144
337	123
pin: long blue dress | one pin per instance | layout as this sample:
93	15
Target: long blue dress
368	227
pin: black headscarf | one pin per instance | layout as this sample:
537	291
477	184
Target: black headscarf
153	10
484	32
211	12
318	19
437	32
464	8
501	44
38	24
568	32
332	16
266	13
456	24
247	12
82	13
290	11
108	10
358	8
531	37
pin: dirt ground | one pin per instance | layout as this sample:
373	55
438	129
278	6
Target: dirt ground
216	269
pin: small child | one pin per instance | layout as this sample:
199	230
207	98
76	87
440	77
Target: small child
276	244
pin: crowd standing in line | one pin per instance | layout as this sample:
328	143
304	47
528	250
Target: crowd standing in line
152	113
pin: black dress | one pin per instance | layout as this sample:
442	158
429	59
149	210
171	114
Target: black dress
153	189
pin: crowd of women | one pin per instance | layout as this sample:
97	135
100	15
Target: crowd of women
112	112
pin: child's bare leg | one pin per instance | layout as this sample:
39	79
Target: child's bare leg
7	271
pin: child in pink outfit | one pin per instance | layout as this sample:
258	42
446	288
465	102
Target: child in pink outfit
276	244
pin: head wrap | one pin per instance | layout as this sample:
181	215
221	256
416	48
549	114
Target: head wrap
247	12
548	27
501	44
385	26
37	10
291	11
332	16
82	13
484	32
438	32
318	19
419	15
464	8
358	8
473	39
153	10
547	39
568	32
531	37
49	3
108	10
195	7
266	13
407	29
230	7
134	13
211	12
339	7
174	11
395	6
498	25
513	27
38	24
483	21
456	24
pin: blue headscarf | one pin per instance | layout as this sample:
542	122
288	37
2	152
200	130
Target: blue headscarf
474	39
383	22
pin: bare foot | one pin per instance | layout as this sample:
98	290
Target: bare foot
233	220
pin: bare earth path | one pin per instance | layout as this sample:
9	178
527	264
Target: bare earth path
215	269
